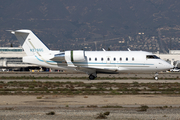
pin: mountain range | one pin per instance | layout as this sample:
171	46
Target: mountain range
151	25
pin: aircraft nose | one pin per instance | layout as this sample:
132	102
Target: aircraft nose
168	66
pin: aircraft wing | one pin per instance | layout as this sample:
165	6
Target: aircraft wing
94	69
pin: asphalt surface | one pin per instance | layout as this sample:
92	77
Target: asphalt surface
165	77
95	81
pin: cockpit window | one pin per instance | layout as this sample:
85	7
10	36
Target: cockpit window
152	57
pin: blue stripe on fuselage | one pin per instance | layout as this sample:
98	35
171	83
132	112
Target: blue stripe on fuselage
94	63
47	61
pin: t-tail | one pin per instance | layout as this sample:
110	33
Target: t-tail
31	44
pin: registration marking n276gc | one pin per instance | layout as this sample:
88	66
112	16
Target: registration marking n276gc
36	50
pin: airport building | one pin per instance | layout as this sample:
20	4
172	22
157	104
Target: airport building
173	57
11	59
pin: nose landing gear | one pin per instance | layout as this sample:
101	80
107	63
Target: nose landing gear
156	76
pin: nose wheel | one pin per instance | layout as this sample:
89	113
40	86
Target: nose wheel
156	76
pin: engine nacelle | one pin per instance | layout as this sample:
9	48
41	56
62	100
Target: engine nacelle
75	56
70	56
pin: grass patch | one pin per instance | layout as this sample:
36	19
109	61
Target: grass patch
50	113
80	88
103	115
39	97
143	108
109	106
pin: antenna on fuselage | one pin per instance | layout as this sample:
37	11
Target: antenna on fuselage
103	49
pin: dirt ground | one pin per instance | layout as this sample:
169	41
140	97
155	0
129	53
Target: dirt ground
85	100
87	107
161	107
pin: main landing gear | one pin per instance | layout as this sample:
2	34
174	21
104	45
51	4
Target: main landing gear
92	77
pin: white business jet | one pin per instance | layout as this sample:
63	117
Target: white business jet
90	62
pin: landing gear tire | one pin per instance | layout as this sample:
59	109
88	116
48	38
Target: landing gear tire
92	77
156	77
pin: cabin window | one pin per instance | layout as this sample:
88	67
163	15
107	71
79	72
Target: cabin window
152	57
102	59
108	59
133	59
89	59
120	59
114	59
95	59
126	59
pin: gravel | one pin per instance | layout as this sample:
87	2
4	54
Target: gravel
39	113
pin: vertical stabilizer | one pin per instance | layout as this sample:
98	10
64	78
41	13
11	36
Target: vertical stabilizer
30	42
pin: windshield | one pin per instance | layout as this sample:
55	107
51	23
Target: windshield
152	57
